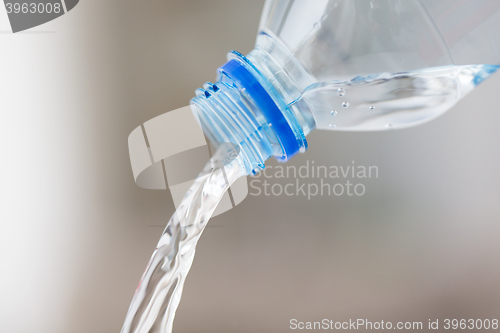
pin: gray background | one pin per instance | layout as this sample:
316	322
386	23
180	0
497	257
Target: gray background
76	233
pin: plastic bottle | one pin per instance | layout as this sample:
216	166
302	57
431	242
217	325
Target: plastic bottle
347	65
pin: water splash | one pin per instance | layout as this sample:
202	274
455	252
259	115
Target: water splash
159	292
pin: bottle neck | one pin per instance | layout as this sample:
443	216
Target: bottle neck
287	75
244	109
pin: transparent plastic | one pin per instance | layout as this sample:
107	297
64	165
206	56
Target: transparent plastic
363	65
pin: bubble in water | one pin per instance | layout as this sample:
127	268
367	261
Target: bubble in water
333	113
341	92
372	108
345	105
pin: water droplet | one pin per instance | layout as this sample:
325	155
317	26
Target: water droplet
333	113
345	105
372	108
341	92
331	125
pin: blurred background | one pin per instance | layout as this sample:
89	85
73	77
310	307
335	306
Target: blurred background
76	232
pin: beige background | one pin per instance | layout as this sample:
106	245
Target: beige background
76	232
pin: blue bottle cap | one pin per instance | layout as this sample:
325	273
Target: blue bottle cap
244	79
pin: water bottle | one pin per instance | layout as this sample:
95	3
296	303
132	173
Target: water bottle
347	65
325	64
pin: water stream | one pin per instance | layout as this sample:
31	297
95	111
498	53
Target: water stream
159	292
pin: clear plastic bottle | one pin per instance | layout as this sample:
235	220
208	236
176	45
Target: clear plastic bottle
347	65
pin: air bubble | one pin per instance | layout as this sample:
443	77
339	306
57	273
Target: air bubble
333	113
372	108
341	92
345	105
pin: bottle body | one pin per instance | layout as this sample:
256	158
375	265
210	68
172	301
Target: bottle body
373	65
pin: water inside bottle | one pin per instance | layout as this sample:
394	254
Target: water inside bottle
389	100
